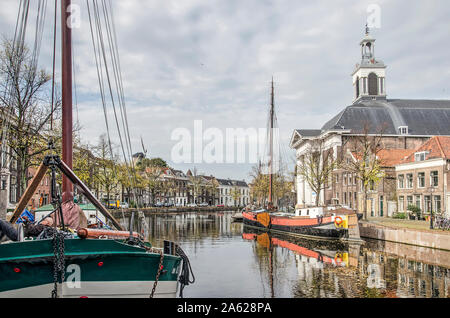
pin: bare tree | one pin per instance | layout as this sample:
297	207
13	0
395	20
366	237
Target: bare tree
196	183
25	105
317	166
365	148
282	185
106	176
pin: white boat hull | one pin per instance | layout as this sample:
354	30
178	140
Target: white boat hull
113	289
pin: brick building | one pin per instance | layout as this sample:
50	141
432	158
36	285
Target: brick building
423	177
42	195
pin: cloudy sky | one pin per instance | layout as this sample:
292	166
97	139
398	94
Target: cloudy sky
213	61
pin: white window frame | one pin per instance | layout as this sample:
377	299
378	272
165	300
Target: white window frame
432	178
418	180
403	130
420	156
409	185
401	177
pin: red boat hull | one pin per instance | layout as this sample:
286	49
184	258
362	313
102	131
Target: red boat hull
314	227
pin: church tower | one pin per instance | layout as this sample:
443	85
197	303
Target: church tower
369	75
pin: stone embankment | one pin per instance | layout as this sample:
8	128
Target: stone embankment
436	239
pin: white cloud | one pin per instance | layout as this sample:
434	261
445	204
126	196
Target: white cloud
213	60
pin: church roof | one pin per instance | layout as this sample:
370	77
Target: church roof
309	132
422	117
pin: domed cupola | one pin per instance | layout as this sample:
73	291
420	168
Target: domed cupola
369	75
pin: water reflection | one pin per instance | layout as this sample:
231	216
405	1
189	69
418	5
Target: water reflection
231	260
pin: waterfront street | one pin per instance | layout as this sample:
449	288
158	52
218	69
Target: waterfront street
406	224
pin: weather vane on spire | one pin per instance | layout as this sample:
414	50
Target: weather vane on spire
367	29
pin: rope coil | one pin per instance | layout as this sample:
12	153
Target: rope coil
185	270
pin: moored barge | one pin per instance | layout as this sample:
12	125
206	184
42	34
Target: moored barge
314	222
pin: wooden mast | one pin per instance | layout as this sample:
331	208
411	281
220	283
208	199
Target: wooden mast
270	203
68	177
66	70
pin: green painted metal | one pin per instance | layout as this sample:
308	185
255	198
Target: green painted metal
30	263
49	207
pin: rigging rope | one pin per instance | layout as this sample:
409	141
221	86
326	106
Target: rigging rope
13	87
107	80
53	64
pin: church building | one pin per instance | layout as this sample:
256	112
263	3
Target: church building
402	123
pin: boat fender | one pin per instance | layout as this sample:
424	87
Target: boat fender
319	219
338	221
320	258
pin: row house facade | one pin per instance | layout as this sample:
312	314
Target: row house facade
233	192
344	187
176	188
9	190
42	195
423	178
8	181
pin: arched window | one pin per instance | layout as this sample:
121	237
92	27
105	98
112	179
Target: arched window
367	50
373	84
357	87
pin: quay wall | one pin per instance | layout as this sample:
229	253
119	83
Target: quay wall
152	210
406	236
410	252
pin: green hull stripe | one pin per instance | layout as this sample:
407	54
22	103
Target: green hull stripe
30	263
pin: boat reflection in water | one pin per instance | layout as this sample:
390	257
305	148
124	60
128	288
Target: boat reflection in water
230	259
317	262
339	269
316	255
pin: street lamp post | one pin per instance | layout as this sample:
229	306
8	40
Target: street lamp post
431	207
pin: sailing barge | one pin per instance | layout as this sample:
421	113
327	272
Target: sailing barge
92	262
315	222
309	222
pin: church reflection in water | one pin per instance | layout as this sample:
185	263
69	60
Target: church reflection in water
286	266
373	269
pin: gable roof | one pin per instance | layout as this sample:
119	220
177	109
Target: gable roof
392	157
436	147
226	182
388	157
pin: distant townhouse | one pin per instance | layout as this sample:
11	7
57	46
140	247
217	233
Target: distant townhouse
225	187
8	181
42	195
233	192
174	187
181	188
209	190
423	177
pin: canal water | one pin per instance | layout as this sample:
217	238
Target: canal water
232	260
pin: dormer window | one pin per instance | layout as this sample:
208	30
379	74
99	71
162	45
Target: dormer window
420	156
403	130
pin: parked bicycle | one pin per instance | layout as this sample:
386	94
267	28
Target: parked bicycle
442	223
